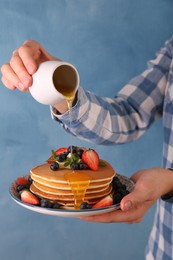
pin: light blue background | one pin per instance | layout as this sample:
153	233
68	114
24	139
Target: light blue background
109	41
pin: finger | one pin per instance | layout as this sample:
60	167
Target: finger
11	77
138	220
136	198
133	215
30	54
18	67
37	51
110	217
7	83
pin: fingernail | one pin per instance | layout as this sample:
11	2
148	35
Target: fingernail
127	205
21	86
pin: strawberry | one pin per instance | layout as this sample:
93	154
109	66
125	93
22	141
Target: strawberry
22	181
61	150
55	153
28	197
105	202
91	158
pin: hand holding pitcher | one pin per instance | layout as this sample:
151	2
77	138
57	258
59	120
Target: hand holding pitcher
32	68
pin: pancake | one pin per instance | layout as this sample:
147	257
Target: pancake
57	191
44	172
68	200
67	186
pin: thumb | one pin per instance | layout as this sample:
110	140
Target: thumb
133	200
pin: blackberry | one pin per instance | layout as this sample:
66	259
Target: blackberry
123	192
117	198
54	166
123	187
116	184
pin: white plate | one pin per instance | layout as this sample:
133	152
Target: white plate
70	212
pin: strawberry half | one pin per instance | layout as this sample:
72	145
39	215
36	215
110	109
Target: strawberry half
22	181
105	202
91	158
28	197
60	150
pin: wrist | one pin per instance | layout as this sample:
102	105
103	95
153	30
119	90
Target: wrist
60	108
63	107
168	197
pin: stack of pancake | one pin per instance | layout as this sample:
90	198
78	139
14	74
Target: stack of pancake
59	185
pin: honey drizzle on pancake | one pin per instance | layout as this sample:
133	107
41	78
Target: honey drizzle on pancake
79	182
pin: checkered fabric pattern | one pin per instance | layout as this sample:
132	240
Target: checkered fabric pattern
126	117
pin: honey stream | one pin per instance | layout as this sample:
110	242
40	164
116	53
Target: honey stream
79	182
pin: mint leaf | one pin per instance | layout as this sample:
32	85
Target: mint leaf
75	157
67	162
53	155
102	163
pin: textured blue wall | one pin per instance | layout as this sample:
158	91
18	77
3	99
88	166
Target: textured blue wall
109	41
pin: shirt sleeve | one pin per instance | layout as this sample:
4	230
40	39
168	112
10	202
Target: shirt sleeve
107	121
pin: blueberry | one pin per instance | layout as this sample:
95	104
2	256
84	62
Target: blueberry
56	205
30	179
82	166
54	166
43	203
27	186
49	204
80	152
85	205
61	157
66	154
72	149
74	166
20	187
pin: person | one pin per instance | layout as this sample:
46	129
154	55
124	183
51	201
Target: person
121	119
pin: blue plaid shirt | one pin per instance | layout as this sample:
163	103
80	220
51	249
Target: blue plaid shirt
125	118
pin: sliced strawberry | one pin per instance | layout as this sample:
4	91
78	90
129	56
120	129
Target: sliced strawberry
60	150
22	181
91	158
105	202
28	197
